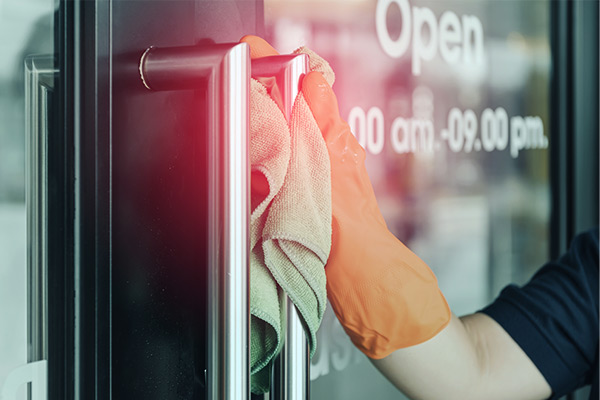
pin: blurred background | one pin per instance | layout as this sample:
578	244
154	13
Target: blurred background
26	27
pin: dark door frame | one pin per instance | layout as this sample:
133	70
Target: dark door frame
574	121
574	125
79	356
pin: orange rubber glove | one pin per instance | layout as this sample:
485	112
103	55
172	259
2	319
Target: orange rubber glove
385	296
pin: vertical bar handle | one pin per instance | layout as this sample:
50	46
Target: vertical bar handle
291	373
225	69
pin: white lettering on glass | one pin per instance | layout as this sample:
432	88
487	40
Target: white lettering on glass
423	49
35	372
450	36
526	133
335	352
368	128
458	40
412	135
464	132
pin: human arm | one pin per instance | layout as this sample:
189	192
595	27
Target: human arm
388	300
533	341
472	358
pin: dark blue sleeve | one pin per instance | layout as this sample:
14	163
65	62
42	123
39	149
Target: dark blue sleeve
554	317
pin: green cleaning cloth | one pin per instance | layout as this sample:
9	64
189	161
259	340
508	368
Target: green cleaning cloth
290	224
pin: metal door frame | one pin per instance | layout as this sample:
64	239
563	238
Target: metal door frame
574	125
80	335
574	121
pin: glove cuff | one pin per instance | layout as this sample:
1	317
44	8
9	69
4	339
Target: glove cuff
396	305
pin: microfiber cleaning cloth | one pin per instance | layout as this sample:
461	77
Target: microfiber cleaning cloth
290	223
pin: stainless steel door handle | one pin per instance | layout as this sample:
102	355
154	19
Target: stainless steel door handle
225	69
281	75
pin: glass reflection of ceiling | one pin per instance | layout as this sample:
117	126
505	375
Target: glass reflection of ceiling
18	20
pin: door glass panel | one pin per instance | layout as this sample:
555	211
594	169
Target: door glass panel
453	115
26	28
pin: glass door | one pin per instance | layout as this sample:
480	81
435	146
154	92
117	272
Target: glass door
451	102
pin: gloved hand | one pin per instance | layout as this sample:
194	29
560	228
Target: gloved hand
385	296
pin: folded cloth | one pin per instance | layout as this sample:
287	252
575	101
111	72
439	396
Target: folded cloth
290	223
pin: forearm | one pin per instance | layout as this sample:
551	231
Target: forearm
472	358
443	367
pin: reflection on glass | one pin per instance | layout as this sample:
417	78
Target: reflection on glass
450	101
40	76
26	27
